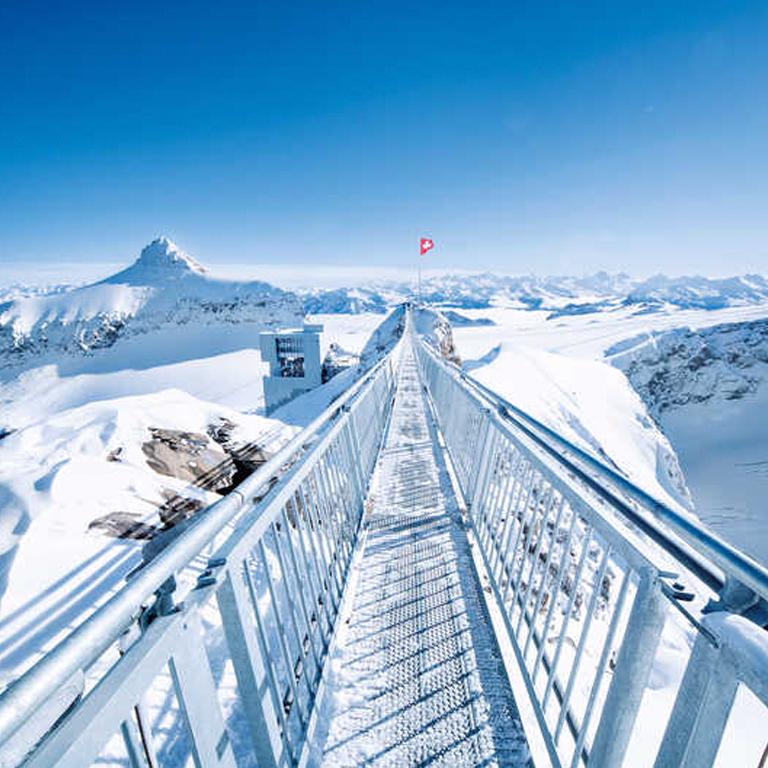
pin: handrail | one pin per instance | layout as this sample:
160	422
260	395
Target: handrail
704	542
91	638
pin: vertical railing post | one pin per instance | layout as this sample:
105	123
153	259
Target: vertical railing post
633	668
353	447
479	483
713	717
701	710
192	676
250	671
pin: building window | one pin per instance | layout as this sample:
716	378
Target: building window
290	356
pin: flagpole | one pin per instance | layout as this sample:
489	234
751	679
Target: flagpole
425	244
418	264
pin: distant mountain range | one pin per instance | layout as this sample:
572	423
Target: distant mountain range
166	287
560	295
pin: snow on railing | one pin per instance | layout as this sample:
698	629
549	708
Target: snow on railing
234	669
585	596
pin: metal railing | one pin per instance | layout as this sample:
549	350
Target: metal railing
584	596
231	673
741	581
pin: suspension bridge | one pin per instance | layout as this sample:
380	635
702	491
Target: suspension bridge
424	576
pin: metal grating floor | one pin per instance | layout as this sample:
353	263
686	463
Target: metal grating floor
416	677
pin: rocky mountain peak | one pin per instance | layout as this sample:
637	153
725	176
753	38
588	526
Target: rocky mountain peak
163	253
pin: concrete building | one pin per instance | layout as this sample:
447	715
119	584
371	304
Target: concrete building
294	361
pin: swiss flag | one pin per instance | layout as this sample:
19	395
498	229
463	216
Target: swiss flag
425	244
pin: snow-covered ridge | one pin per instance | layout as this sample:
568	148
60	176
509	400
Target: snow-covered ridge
16	290
706	388
700	292
163	287
344	301
472	291
674	368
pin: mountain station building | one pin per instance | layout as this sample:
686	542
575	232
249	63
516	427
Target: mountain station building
294	361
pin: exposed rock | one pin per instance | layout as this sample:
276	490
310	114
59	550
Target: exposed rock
246	457
123	525
221	430
178	508
436	329
211	462
337	360
189	456
116	454
673	368
130	525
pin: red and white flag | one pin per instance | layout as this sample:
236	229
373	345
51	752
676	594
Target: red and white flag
425	244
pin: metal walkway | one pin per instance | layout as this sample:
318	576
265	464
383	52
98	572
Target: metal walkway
418	678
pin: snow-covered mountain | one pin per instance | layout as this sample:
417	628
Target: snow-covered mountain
344	301
708	390
674	368
167	285
560	295
164	287
696	292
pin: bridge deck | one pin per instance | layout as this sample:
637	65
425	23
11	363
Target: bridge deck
416	677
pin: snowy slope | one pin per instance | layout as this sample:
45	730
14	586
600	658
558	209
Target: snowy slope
591	404
708	389
705	385
69	483
16	290
77	469
589	335
348	330
164	288
217	363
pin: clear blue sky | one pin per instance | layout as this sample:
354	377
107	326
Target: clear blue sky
549	137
